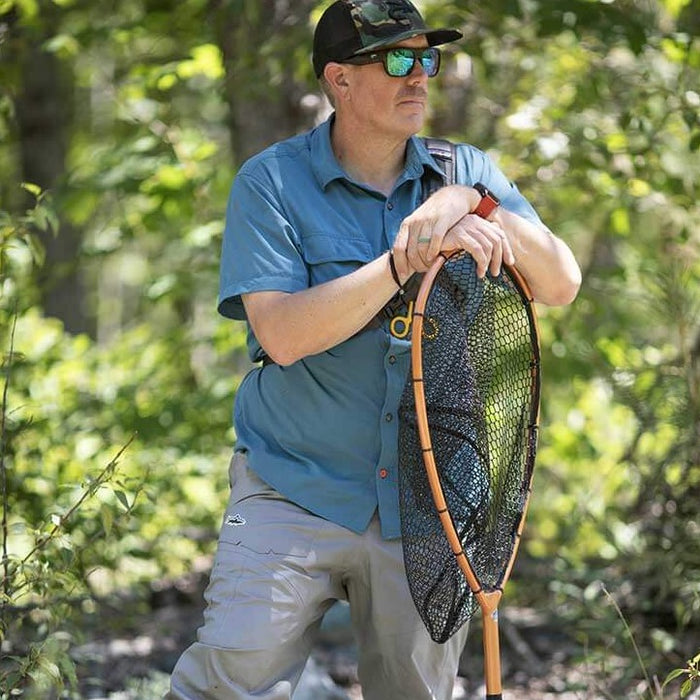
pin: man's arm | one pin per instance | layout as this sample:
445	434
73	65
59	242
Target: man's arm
290	326
545	261
444	222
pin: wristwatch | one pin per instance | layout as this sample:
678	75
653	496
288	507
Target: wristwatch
488	202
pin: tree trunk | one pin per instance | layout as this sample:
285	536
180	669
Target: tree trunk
259	40
44	111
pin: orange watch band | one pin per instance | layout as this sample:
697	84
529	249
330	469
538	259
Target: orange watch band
488	202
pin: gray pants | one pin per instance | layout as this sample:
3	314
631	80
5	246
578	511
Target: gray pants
278	569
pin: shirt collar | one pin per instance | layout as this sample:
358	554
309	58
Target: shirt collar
326	167
323	161
418	159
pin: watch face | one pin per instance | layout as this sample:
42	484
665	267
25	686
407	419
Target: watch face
484	192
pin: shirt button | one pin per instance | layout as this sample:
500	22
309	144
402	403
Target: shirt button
392	359
388	417
389	205
383	473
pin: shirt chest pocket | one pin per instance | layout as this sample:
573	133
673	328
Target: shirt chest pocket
328	257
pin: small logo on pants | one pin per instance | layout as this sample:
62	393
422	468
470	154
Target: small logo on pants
235	520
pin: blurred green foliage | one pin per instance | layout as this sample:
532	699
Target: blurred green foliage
592	107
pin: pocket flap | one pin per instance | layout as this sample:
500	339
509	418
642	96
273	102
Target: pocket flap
322	248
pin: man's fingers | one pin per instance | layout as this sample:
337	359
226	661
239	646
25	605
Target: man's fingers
424	241
484	241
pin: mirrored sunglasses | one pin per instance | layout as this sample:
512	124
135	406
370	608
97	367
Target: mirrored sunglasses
399	62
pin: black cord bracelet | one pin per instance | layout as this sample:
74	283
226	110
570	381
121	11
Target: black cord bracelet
394	273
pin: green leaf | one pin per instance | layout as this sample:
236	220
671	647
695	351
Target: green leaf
620	221
673	675
121	497
31	188
107	517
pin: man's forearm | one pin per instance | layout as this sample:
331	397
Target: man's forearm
545	261
292	326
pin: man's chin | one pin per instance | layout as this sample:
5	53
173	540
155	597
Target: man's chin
414	122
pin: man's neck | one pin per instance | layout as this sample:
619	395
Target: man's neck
375	161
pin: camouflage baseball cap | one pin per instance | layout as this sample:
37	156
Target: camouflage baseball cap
351	27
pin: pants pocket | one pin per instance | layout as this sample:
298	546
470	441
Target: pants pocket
260	519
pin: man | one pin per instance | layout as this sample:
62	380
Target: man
321	231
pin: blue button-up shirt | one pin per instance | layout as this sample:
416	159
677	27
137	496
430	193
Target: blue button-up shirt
323	431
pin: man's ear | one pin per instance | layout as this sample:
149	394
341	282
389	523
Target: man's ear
336	75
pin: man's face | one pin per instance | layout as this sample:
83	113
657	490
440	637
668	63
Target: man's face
395	107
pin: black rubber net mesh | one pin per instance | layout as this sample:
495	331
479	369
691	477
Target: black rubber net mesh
481	385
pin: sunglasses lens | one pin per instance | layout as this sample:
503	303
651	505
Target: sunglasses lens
399	62
430	60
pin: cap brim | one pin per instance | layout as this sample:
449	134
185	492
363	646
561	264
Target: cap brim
435	37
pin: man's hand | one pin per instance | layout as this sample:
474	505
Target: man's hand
421	234
442	223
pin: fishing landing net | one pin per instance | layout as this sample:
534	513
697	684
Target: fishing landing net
481	383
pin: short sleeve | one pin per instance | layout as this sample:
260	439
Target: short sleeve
260	250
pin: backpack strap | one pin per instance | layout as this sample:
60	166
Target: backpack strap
444	153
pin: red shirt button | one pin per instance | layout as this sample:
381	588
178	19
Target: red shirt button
383	473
